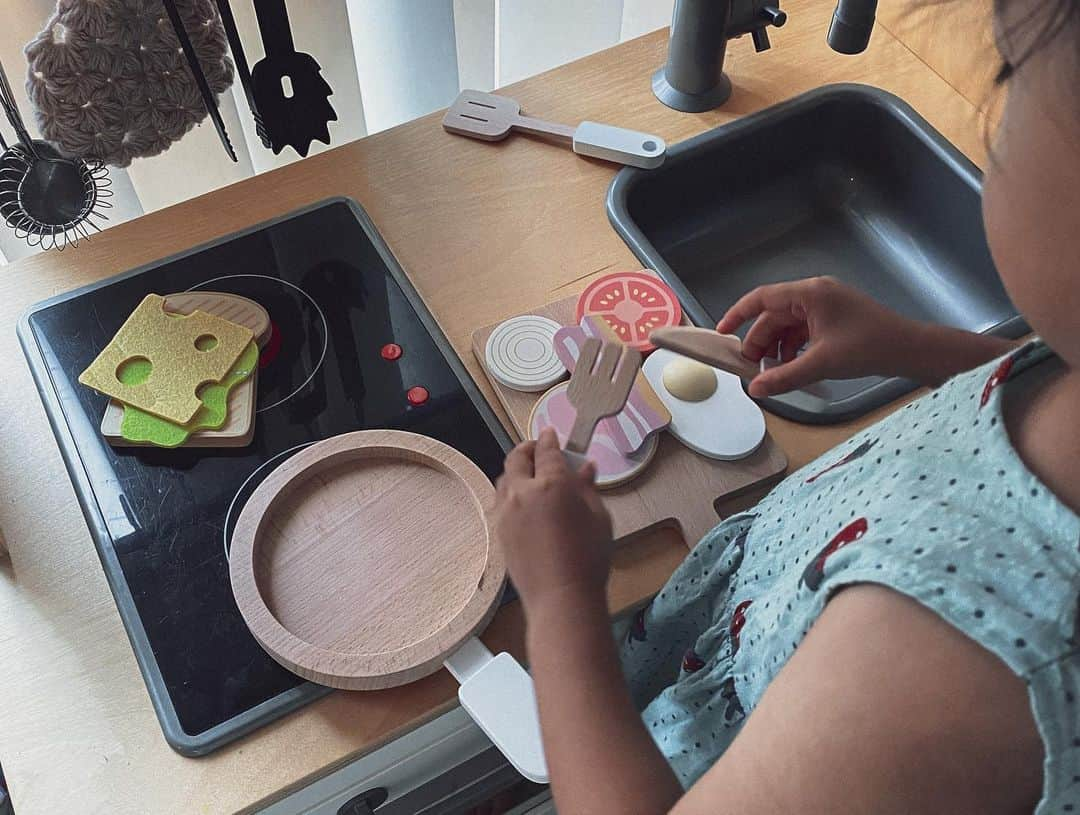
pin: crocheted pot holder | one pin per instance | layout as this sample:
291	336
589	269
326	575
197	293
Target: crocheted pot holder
109	81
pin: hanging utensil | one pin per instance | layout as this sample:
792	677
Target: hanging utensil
50	200
200	78
292	96
232	33
11	111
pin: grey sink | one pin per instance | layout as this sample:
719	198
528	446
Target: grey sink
845	180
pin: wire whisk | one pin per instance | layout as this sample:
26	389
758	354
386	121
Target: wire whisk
50	200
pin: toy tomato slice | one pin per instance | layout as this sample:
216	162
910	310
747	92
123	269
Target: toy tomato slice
633	304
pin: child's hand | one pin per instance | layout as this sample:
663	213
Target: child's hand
849	334
551	524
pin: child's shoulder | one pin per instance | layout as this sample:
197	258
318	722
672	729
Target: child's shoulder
935	502
933	505
916	704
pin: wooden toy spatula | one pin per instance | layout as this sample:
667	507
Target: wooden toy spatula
599	387
723	351
490	117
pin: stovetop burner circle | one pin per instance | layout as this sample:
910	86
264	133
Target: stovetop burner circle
249	485
278	323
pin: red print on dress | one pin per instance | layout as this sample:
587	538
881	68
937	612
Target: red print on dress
815	571
738	620
1001	373
857	453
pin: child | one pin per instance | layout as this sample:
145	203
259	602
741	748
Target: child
894	629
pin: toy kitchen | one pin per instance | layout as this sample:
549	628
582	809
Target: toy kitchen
283	436
343	381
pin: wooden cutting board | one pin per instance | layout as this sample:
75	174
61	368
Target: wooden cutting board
367	559
679	486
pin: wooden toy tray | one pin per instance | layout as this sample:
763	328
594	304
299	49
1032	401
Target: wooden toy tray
679	486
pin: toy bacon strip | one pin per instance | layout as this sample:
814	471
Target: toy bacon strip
644	413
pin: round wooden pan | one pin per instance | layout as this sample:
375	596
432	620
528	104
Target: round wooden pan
366	559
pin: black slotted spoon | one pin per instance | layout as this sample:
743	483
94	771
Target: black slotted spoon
295	112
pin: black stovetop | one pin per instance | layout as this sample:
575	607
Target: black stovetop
162	518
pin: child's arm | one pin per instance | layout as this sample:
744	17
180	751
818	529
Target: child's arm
883	708
556	536
600	755
849	335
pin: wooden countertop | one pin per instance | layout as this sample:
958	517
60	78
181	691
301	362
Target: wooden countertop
519	224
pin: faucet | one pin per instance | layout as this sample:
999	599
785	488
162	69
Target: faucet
693	78
852	22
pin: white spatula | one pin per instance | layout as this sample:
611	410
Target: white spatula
490	117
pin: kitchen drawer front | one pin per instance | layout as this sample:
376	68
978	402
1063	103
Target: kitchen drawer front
401	767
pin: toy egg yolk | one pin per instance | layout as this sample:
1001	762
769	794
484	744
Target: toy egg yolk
689	380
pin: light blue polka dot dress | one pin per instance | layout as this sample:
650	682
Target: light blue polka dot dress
932	502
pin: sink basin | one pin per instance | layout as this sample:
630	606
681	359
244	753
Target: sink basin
846	180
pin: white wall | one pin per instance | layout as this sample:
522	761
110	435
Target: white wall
642	16
474	29
406	58
534	37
